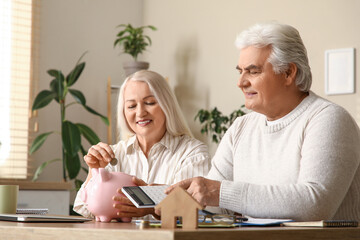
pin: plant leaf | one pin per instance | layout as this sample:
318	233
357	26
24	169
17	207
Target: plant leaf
71	138
59	81
78	184
85	169
149	39
57	87
75	74
79	97
52	72
105	119
123	25
152	27
73	165
54	88
38	142
82	150
89	134
133	40
43	99
214	138
40	169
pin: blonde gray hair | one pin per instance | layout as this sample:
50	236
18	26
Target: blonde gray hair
287	47
175	121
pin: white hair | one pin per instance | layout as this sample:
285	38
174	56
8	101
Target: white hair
175	121
287	47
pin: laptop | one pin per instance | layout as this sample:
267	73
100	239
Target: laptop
41	218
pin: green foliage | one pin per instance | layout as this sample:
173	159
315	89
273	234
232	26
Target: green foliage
214	123
39	140
132	40
70	132
42	166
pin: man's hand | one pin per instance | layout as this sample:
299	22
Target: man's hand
205	191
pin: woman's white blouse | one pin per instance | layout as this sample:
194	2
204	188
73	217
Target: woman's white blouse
170	160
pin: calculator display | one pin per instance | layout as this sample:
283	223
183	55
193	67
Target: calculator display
142	196
139	196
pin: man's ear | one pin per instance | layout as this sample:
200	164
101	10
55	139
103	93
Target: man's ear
290	74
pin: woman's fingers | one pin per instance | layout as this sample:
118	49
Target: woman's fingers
125	208
91	161
107	148
99	155
132	211
138	181
121	199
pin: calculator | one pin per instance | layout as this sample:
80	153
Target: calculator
145	196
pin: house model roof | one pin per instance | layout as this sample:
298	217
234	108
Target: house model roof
180	199
179	203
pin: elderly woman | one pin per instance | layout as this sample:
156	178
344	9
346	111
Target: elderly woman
296	155
158	146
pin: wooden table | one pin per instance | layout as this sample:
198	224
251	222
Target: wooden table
112	231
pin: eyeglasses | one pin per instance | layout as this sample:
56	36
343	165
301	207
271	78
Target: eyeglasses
222	219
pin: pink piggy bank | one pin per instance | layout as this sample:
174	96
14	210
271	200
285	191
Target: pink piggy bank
99	192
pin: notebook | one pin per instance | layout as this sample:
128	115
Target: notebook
323	223
32	211
41	218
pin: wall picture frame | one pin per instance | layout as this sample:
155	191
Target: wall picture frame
340	71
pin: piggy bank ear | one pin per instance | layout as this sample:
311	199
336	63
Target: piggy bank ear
104	175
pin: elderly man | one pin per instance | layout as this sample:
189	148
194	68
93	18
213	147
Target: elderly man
296	155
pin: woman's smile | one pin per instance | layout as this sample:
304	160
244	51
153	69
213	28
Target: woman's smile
143	123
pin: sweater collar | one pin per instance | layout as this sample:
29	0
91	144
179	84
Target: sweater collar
290	117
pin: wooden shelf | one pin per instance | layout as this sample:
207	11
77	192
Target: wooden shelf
27	185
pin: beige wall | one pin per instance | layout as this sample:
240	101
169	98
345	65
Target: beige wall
194	47
68	29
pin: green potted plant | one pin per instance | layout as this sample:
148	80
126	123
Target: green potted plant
70	132
133	41
215	123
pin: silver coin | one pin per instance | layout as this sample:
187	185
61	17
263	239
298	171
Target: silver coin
113	161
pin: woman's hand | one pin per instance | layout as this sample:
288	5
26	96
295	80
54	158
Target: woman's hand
127	208
99	155
139	182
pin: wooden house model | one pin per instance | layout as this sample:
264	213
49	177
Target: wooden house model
179	203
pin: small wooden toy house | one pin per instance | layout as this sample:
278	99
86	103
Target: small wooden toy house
179	203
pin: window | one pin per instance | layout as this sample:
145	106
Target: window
18	21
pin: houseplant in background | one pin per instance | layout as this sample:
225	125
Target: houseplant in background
214	123
133	41
70	132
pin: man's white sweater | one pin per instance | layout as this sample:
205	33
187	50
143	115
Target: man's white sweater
304	167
